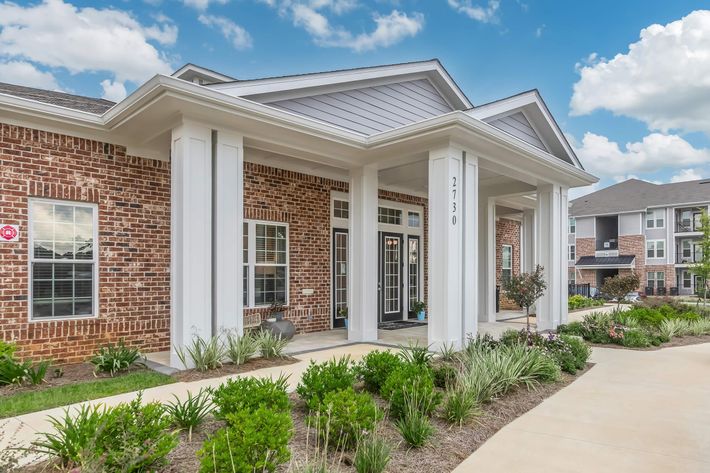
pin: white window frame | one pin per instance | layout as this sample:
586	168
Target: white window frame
401	211
571	252
572	226
653	245
652	278
251	249
689	279
502	261
31	259
571	276
347	210
419	216
654	214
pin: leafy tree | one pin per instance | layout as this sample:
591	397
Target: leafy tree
525	290
618	286
702	268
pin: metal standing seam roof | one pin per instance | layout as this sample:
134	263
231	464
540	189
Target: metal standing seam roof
622	260
637	195
61	99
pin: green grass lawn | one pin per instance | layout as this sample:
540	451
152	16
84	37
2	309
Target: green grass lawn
22	403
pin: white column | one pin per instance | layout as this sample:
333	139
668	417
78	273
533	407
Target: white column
564	267
491	249
228	218
549	252
446	228
191	235
484	215
528	243
470	246
362	307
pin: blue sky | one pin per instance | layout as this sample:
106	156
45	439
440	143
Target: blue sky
639	114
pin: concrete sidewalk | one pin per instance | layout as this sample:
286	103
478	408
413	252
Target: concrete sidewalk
20	431
635	411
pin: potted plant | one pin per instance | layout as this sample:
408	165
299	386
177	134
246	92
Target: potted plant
276	311
418	307
343	314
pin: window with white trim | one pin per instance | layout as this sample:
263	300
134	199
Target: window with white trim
572	225
655	249
413	219
389	215
656	279
687	280
63	259
341	208
265	278
572	252
571	276
506	263
655	218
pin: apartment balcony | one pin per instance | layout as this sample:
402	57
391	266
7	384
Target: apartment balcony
687	227
606	245
688	220
688	257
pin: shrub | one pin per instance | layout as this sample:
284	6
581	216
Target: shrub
129	437
271	345
599	327
414	425
671	328
700	326
578	301
191	412
415	354
635	338
252	441
13	371
349	415
240	349
249	394
413	382
580	350
460	405
375	367
372	454
447	351
321	378
444	375
36	373
114	358
7	349
572	328
203	354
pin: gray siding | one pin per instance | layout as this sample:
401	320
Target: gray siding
585	227
519	126
371	110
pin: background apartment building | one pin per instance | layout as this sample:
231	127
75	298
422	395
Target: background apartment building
652	229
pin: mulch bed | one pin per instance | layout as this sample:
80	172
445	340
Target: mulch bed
446	450
230	368
675	342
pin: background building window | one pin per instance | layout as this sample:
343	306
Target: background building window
571	254
656	279
63	259
341	209
413	219
655	249
265	278
572	225
655	218
571	276
506	263
390	216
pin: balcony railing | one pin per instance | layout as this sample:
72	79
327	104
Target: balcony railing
607	245
686	227
688	257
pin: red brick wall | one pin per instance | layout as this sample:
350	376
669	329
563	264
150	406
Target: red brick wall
507	233
585	247
133	197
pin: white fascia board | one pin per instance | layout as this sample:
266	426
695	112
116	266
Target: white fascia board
37	109
326	79
506	106
201	70
605	266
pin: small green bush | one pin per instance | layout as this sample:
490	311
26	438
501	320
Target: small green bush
240	349
37	372
414	382
636	338
7	349
372	454
572	328
321	378
414	425
271	345
345	415
13	371
248	394
580	350
375	367
415	354
191	412
114	358
71	435
460	405
203	354
252	441
579	302
444	375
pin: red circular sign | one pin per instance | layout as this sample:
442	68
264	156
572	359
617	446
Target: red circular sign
8	232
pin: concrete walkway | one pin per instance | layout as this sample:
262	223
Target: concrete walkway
635	411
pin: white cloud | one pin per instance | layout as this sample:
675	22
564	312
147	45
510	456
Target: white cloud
686	175
203	4
312	16
540	29
114	91
655	152
59	35
663	79
24	73
484	14
238	36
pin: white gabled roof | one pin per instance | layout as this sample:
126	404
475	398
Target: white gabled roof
200	75
512	114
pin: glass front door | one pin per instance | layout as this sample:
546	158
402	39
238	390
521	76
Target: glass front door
340	276
390	283
414	269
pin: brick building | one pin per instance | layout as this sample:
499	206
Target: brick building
195	203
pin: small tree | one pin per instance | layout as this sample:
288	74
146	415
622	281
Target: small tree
619	286
525	289
701	268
